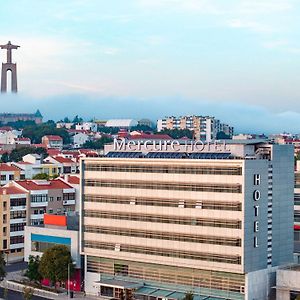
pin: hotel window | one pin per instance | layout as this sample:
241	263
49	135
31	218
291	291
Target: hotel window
11	177
3	177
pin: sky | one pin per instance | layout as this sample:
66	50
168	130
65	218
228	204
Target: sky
238	60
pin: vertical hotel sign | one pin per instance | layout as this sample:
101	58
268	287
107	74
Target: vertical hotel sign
256	198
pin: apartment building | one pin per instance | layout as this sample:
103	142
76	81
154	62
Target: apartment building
216	221
205	128
13	218
53	196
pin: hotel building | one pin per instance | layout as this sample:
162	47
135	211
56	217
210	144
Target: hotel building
215	220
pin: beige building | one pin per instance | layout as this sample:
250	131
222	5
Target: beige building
205	128
160	224
13	218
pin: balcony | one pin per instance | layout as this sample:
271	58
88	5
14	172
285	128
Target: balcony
16	233
14	208
39	204
17	221
69	202
16	246
37	217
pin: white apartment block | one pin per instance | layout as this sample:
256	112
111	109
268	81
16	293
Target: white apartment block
205	128
216	220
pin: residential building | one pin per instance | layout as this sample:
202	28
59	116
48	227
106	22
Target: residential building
13	218
22	141
88	126
52	141
9	172
79	139
65	165
213	219
53	196
15	117
205	128
32	165
64	125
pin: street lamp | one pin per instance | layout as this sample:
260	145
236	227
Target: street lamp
69	290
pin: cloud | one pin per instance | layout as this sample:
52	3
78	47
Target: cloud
245	118
250	25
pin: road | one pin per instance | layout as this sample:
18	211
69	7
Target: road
16	267
12	295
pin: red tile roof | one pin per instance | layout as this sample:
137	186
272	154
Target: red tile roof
63	160
73	179
6	128
35	185
10	190
8	168
53	137
22	139
146	136
52	152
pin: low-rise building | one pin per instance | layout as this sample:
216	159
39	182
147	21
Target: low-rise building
9	172
53	141
65	165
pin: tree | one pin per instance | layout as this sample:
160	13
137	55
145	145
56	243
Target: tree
5	157
98	144
188	296
2	266
42	176
221	135
32	271
77	119
27	293
17	154
55	262
37	131
177	133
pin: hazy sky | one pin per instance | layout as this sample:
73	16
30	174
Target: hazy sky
236	59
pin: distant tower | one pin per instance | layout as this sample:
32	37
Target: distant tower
9	66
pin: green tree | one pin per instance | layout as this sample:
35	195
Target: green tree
221	135
2	266
17	154
42	176
5	157
188	296
27	293
77	119
32	271
177	133
98	144
55	262
37	131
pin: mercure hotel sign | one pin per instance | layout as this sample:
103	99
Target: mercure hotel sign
168	145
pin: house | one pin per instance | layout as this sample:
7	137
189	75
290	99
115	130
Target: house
32	165
9	172
79	139
65	165
89	126
22	141
52	141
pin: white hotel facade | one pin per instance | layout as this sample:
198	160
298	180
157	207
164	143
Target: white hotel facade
216	221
